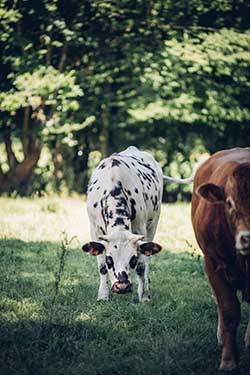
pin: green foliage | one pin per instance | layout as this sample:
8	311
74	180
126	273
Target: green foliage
41	89
201	79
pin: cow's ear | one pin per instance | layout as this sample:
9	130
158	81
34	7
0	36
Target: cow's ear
93	248
211	193
149	248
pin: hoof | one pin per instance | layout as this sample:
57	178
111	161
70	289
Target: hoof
146	298
228	367
103	298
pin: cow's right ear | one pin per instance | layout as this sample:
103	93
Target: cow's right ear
149	248
93	248
211	193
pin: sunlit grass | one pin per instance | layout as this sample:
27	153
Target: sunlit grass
51	323
174	229
44	219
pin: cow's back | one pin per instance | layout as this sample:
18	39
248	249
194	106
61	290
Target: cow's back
133	174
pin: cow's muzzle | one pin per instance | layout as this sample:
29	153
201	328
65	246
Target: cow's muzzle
243	243
122	287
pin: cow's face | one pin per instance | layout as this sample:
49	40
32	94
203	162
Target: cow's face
236	199
121	249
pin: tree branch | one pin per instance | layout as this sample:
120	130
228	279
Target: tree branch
34	146
63	57
48	54
1	172
12	160
25	130
2	177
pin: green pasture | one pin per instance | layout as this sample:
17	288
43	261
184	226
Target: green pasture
51	323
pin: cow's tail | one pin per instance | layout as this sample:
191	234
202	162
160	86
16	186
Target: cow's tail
189	180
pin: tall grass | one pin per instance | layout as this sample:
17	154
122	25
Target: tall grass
51	323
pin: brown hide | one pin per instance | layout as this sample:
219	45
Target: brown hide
212	230
227	271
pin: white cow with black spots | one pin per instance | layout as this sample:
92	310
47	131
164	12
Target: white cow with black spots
123	203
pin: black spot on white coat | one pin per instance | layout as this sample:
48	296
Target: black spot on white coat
133	210
140	269
115	163
118	221
103	269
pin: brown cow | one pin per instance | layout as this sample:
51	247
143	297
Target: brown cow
221	221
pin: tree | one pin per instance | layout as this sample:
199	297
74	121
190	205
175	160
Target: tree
36	98
85	78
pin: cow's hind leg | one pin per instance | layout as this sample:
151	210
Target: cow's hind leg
247	334
142	271
103	292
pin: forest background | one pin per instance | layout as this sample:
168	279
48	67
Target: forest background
83	79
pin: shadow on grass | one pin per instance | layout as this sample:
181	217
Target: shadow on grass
47	331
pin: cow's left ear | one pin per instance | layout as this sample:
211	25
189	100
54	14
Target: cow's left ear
149	248
93	248
211	193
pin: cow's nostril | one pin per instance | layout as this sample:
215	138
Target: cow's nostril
245	240
122	288
116	286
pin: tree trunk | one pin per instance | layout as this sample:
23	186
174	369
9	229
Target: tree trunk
104	136
63	57
18	176
58	163
19	173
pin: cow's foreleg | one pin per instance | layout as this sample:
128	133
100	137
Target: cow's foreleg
219	329
103	292
228	316
142	271
247	334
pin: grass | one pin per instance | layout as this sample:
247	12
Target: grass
51	323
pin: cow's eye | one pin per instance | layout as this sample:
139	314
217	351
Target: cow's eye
109	261
133	261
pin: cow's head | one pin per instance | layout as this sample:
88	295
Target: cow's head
121	250
236	198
